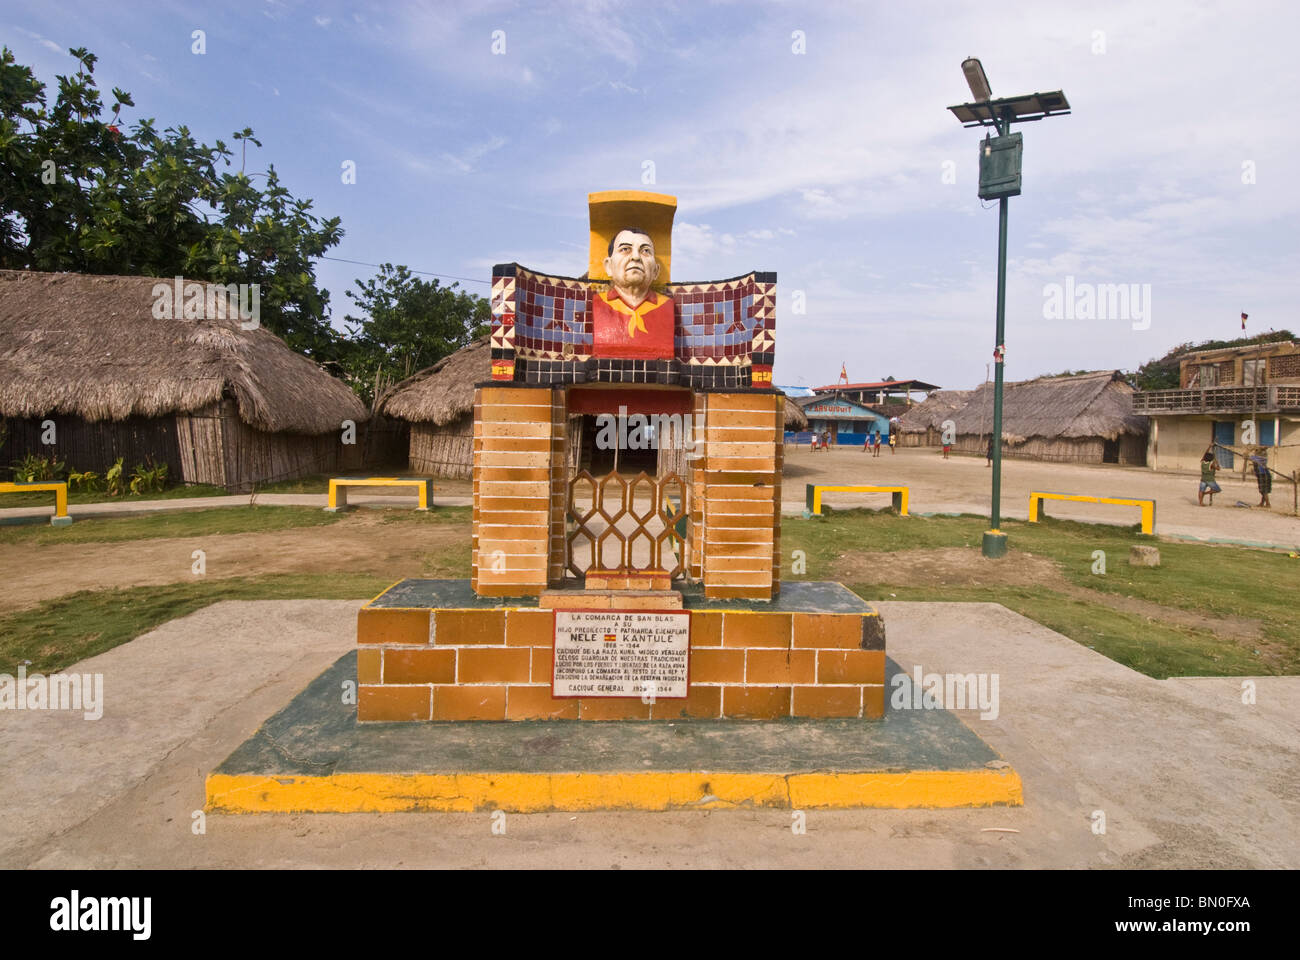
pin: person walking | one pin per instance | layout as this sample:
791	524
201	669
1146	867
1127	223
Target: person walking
988	454
876	445
1208	484
893	441
1263	477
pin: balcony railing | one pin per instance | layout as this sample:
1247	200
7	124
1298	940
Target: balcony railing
1268	398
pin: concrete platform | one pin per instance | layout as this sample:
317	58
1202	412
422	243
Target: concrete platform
1188	776
314	757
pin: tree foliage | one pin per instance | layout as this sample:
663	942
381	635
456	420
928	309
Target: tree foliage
409	324
79	193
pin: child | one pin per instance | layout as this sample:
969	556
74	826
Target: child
946	448
1208	485
876	446
893	441
1263	478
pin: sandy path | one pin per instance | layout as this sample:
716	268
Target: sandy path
962	484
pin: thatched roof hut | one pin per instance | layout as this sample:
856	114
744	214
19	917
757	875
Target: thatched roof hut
795	419
930	415
438	401
218	403
444	392
1087	417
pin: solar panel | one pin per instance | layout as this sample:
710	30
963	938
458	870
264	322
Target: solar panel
1033	106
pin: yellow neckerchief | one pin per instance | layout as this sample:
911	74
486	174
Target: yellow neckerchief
635	315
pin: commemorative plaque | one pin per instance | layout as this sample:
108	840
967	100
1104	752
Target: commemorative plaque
613	653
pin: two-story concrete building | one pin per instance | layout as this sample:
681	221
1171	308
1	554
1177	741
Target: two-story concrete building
1236	397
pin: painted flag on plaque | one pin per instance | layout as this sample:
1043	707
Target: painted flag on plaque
611	637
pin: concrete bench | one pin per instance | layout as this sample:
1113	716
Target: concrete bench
58	487
1037	507
339	489
814	491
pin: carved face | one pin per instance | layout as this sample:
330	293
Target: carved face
632	267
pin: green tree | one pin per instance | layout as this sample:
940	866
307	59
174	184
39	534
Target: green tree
409	324
77	193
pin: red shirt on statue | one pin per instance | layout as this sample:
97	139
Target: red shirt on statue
644	332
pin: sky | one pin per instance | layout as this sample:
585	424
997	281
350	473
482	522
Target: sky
810	139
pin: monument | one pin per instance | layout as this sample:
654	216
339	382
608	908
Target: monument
626	567
611	578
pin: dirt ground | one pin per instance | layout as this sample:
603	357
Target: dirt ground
360	541
962	484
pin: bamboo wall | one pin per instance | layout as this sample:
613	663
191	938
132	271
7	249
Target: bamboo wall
1132	449
212	446
94	446
446	451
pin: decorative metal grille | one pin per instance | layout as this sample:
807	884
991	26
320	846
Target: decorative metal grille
645	538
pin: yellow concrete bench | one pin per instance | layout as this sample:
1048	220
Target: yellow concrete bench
60	490
339	489
1037	508
814	491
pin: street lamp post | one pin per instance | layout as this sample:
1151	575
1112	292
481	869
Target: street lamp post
1000	179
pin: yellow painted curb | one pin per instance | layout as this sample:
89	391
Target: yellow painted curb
636	790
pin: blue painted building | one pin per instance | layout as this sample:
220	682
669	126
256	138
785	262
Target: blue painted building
849	423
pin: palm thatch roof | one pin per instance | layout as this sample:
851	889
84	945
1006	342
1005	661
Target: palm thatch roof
444	392
1098	404
939	406
90	346
795	418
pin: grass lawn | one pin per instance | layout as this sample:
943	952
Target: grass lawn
42	499
1164	621
168	524
57	634
1213	581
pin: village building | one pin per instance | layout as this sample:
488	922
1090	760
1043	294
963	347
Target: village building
848	422
922	425
87	362
1236	398
851	412
1085	418
438	402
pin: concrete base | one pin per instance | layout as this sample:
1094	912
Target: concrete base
994	544
60	521
313	756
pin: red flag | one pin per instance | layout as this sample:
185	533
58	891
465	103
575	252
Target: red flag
1243	321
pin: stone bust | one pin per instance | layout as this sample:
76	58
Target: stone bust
631	320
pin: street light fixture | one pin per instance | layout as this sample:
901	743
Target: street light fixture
976	79
1000	158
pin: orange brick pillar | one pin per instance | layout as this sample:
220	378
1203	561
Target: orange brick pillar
738	494
515	455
